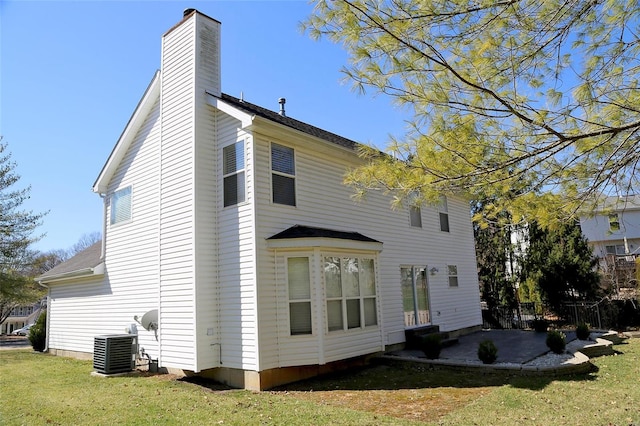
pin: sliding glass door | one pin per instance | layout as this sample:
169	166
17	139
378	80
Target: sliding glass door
415	295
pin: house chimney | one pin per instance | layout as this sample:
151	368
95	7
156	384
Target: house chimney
282	101
187	12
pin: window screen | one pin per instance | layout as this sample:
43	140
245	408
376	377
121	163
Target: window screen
283	175
121	205
233	172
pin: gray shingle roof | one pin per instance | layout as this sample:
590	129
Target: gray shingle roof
84	260
300	231
250	108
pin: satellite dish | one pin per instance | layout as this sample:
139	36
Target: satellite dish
150	320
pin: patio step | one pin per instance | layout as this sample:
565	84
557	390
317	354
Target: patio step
613	337
601	347
414	336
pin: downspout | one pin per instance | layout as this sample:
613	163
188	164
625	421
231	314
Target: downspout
104	225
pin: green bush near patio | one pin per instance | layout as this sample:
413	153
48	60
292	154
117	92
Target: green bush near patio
40	389
556	341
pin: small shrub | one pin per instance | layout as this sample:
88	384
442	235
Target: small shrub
540	325
38	333
556	342
487	352
431	345
582	331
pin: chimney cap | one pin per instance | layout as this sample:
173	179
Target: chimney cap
282	101
188	11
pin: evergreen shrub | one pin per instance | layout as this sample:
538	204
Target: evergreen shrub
582	331
556	341
487	352
431	345
38	333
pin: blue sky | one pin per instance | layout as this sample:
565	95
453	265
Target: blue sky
72	72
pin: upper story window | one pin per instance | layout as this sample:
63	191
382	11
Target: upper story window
415	217
614	222
233	173
444	214
617	249
283	175
121	205
453	275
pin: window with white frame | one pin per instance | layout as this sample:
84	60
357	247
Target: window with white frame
121	205
283	175
299	283
617	249
350	293
614	222
444	214
415	295
233	173
453	275
415	216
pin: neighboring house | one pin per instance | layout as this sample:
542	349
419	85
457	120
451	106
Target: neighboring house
21	316
233	222
614	233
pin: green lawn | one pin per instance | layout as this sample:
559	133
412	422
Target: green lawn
41	389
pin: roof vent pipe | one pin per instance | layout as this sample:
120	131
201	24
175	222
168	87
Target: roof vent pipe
282	101
187	12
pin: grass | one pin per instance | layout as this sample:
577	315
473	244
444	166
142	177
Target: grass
41	389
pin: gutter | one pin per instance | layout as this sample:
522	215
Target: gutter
85	272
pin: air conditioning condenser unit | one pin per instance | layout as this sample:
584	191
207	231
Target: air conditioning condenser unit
114	353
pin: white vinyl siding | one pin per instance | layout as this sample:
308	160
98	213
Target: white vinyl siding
86	307
176	216
236	269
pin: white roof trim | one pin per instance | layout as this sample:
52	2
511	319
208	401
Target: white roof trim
243	117
135	122
86	272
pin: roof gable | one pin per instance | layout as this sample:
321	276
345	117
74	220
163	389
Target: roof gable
86	262
129	133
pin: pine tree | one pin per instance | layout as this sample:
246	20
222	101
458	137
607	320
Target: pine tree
17	229
495	257
561	265
533	103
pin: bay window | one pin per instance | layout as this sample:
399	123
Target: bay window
350	292
299	284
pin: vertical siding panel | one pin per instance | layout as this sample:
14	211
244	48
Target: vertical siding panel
237	275
176	272
207	194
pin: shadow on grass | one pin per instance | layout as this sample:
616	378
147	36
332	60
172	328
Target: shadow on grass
398	376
